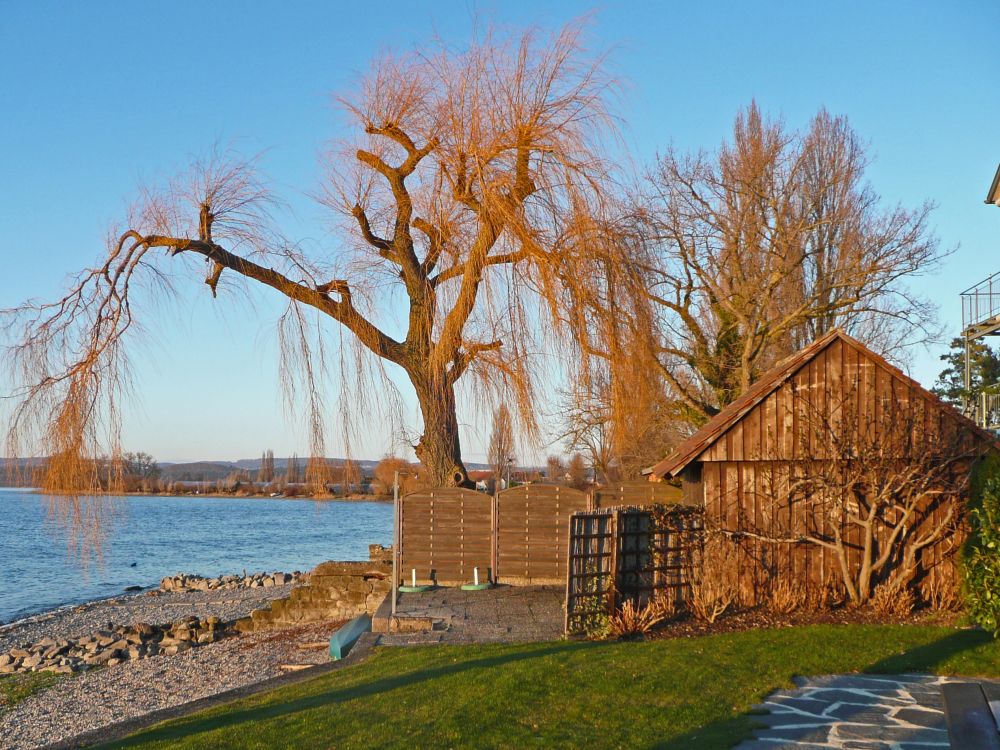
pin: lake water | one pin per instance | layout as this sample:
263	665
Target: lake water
44	564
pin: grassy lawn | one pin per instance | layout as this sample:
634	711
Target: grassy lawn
684	693
16	687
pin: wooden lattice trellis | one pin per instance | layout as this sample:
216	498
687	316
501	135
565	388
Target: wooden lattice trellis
621	554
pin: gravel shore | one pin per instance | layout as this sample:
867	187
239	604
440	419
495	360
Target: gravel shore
163	607
107	696
97	698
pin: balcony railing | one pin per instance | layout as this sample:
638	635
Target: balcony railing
981	308
986	410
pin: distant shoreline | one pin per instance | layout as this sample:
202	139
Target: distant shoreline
215	495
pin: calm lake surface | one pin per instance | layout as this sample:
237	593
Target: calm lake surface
41	567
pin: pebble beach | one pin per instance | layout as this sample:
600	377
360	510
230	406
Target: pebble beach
104	696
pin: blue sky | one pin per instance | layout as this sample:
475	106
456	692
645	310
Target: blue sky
96	97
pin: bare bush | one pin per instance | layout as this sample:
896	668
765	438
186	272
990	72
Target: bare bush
715	578
665	606
786	597
831	595
632	619
884	484
941	591
889	600
388	469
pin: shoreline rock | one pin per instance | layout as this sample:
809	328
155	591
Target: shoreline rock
111	646
189	582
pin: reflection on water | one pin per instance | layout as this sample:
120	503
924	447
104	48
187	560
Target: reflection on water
83	522
64	550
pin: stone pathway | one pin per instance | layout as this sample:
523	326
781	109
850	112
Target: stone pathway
503	614
858	712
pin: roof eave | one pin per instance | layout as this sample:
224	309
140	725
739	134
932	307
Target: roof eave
993	197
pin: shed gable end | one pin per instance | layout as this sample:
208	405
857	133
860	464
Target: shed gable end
842	383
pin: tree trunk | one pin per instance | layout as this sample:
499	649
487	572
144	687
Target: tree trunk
439	449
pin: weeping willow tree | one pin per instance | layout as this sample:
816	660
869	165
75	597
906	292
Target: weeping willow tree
473	197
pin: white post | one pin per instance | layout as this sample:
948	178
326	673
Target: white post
475	576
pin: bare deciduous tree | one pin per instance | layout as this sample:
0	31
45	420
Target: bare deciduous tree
350	476
772	241
318	475
386	473
578	472
501	450
622	419
473	192
266	472
555	468
293	471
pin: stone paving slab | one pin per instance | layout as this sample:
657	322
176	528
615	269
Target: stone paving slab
858	712
503	614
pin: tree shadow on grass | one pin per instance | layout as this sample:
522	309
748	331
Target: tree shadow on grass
186	728
930	656
925	658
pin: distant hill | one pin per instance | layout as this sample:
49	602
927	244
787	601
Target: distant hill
280	464
210	471
204	471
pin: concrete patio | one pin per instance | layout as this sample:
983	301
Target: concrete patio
859	712
503	614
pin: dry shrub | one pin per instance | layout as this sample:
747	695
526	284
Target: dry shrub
830	596
786	597
892	600
941	592
632	619
665	606
715	584
834	595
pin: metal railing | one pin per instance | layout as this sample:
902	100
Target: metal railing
986	410
981	306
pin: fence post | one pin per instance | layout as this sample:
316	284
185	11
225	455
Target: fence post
495	535
569	576
613	589
396	536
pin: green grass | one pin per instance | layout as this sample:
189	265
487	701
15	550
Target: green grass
16	687
673	694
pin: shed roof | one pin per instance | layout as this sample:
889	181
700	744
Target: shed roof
994	195
718	425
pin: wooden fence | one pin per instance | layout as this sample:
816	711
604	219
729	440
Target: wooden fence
628	554
638	493
532	524
518	536
444	534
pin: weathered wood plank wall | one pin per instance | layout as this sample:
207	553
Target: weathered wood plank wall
755	461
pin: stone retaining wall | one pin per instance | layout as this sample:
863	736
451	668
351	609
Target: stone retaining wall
332	591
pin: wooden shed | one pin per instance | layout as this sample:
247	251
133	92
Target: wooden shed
798	419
